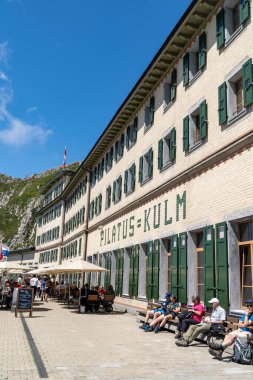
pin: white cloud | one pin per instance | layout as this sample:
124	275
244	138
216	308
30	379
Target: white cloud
14	131
32	109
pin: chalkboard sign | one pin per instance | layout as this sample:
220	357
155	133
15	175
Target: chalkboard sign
24	301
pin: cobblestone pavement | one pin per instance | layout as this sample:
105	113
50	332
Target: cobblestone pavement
59	343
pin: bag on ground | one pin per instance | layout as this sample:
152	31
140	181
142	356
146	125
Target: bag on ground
243	351
217	328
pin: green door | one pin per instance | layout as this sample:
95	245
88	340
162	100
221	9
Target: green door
107	280
131	272
156	260
209	278
222	264
134	271
149	270
119	272
182	268
174	266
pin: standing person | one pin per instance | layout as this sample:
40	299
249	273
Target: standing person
38	293
43	288
198	312
245	330
47	290
33	284
218	316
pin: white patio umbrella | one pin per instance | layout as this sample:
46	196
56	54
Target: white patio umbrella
77	266
6	266
39	270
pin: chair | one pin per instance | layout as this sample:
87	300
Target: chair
92	302
107	302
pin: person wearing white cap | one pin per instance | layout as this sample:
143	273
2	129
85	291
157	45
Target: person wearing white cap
218	316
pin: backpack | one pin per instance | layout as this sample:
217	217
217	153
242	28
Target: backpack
243	351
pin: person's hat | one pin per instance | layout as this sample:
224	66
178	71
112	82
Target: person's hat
167	295
249	302
214	300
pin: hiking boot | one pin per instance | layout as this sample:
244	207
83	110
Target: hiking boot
182	343
216	346
177	335
143	326
157	329
146	328
216	353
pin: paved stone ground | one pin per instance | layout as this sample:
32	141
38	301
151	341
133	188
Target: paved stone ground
59	343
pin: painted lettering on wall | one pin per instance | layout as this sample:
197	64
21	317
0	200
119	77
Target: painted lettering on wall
153	217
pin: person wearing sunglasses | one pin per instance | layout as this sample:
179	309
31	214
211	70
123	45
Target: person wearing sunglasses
245	328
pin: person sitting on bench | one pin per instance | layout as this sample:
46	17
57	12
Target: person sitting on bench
173	308
245	329
197	313
156	312
218	316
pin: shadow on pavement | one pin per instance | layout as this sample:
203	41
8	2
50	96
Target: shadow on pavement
41	309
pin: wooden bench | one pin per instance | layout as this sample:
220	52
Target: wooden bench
92	301
230	324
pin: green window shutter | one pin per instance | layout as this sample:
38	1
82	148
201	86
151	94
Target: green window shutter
186	69
182	268
131	273
106	161
160	154
117	275
222	264
222	96
116	149
220	29
156	261
173	85
109	189
247	83
111	157
119	187
113	191
125	181
152	110
149	269
135	130
202	50
127	136
174	266
136	271
244	10
150	162
172	144
141	169
102	167
186	133
122	142
133	170
203	119
209	279
96	202
100	203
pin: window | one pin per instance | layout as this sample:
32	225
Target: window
91	210
195	60
117	190
146	166
109	160
195	127
236	94
170	89
131	134
167	150
129	179
108	197
119	148
150	114
98	204
231	20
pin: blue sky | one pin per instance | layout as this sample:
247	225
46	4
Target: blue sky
65	68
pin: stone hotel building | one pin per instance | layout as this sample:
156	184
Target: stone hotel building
164	199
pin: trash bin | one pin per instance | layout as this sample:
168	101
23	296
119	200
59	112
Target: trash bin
82	309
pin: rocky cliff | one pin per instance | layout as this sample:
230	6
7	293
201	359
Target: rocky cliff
18	199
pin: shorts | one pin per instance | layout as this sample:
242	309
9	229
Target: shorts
47	290
159	311
170	313
240	333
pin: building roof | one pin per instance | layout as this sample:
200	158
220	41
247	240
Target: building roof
55	178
